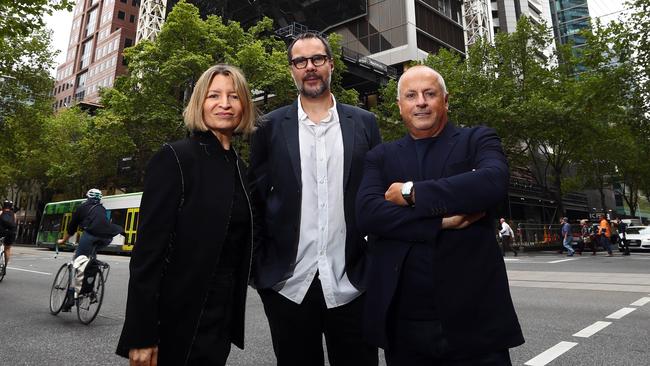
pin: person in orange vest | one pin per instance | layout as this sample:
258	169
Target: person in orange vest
604	234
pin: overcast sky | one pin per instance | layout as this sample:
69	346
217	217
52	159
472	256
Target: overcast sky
61	22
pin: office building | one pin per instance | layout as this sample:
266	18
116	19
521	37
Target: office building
100	31
570	17
506	13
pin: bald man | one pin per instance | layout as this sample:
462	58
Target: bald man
438	291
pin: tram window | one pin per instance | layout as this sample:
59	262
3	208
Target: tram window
135	221
51	222
118	217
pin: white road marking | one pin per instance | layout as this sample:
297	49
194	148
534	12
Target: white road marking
592	329
563	260
620	313
27	270
640	302
551	354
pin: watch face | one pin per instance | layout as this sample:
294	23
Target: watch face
406	188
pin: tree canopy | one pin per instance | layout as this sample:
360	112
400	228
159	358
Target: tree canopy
21	17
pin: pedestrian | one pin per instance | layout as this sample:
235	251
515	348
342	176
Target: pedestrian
604	234
306	164
190	266
567	236
622	227
438	290
586	237
506	234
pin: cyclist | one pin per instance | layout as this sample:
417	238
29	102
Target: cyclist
98	231
7	228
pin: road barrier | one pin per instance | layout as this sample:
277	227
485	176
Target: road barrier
538	236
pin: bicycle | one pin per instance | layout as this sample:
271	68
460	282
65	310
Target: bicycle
3	259
87	303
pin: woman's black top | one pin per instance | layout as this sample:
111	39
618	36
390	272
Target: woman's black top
238	225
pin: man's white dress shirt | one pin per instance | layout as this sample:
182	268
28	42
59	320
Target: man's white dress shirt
321	246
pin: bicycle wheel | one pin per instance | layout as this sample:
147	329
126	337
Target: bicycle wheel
59	289
88	304
3	266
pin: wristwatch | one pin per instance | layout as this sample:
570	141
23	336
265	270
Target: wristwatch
407	192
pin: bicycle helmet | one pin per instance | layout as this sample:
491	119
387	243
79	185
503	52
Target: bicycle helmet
94	194
7	204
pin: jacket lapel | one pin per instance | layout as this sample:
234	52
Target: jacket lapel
290	129
347	130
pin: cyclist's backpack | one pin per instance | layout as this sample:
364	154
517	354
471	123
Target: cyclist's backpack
90	276
7	220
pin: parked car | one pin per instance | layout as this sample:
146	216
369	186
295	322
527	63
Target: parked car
638	237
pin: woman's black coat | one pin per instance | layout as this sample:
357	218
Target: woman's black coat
165	300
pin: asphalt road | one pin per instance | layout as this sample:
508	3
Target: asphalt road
573	311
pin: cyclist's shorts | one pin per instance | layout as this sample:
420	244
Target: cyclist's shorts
9	237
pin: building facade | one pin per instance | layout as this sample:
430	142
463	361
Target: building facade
506	13
100	31
570	17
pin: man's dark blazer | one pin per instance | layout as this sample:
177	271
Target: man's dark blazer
276	187
470	174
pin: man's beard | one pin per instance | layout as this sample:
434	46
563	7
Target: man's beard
315	93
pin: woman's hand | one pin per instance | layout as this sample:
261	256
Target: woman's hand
143	356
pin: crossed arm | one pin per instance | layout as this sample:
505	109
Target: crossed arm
460	221
445	203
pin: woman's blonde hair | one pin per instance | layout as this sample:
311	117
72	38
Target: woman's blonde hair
193	114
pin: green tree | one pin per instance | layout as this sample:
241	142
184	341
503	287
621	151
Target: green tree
21	17
24	64
638	26
64	136
25	104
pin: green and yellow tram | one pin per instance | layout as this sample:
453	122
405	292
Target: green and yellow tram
121	209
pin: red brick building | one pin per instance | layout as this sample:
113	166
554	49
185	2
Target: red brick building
101	29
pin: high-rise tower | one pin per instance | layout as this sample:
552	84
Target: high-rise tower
100	31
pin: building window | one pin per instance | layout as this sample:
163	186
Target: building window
132	18
85	54
121	15
123	1
135	2
91	24
128	42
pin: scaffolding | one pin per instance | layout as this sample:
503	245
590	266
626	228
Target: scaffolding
477	16
151	19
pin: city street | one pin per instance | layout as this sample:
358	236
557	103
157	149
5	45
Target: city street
589	310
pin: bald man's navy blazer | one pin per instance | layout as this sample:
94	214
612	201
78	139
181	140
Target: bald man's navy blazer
467	172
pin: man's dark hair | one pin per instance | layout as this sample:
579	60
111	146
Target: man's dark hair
308	35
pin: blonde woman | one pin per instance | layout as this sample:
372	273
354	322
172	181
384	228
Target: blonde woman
191	263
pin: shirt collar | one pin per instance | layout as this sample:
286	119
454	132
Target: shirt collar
331	116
